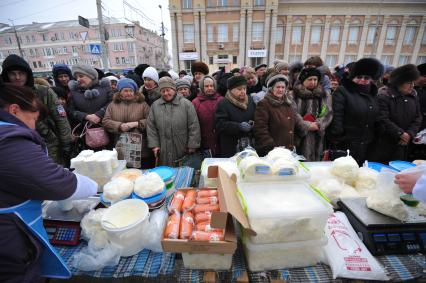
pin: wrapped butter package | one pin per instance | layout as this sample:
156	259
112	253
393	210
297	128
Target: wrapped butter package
283	212
148	185
252	165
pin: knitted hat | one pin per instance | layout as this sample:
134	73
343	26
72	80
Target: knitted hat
167	82
140	69
272	80
151	73
126	83
201	83
260	66
309	72
404	74
236	81
85	70
367	66
199	67
422	69
281	65
173	75
180	83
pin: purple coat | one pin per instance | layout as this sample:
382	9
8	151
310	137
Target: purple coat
206	108
26	172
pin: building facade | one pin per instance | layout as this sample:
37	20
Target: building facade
45	44
235	33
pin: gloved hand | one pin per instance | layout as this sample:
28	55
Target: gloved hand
245	127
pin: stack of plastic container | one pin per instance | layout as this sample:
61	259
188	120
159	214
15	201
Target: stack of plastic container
289	219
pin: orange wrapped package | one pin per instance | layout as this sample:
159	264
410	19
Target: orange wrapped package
172	227
207	200
205	226
207	236
204	216
189	202
177	202
186	225
206	193
206	207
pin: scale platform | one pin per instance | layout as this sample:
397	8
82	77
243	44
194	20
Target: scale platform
382	234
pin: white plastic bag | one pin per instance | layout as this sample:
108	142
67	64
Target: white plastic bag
346	254
89	259
154	233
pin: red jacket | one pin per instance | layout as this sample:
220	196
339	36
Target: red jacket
206	108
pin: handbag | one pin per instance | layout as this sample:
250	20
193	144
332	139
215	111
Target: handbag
129	148
93	137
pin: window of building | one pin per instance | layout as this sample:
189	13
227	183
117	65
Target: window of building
188	33
349	59
32	52
39	64
294	58
403	60
296	36
390	35
409	35
210	3
8	40
235	32
222	32
254	61
279	35
118	46
210	33
334	34
131	46
187	4
27	39
424	37
234	59
117	60
210	60
123	60
315	34
74	49
353	35
222	3
257	32
132	60
387	59
35	64
259	3
72	35
45	36
48	52
371	34
188	64
331	60
130	30
421	60
65	50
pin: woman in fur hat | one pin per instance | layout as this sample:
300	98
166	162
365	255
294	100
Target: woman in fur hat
313	103
400	115
199	69
128	113
356	110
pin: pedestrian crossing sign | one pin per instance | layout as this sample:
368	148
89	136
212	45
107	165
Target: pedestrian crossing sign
95	48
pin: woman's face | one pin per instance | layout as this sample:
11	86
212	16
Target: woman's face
278	90
285	72
252	80
184	91
29	118
148	83
127	93
406	88
362	80
63	79
198	76
83	80
209	87
311	82
113	85
168	94
239	92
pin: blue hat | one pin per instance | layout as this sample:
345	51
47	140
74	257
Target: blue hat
126	83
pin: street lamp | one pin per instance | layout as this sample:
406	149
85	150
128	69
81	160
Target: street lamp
162	35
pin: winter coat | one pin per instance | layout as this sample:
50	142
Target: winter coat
275	125
317	103
173	127
421	94
26	173
227	120
398	114
150	95
119	112
206	109
355	116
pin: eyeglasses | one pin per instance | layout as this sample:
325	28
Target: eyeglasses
367	78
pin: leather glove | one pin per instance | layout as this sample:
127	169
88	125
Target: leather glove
245	127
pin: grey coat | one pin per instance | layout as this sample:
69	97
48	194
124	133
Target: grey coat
173	127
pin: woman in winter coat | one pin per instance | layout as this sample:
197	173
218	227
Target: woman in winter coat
234	117
89	97
128	113
400	115
150	87
313	103
205	104
172	127
356	110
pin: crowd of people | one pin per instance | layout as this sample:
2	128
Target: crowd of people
373	110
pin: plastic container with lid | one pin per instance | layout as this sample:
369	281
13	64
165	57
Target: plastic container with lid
401	165
283	255
168	175
283	212
207	261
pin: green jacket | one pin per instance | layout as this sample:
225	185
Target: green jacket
55	128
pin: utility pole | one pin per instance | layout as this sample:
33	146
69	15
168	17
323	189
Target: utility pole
104	52
163	63
17	39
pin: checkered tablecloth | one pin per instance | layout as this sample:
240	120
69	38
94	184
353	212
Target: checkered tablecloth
146	263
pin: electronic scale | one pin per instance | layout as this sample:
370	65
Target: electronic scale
383	234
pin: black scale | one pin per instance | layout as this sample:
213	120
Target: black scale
382	234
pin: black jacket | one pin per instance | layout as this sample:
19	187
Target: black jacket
355	117
227	120
421	94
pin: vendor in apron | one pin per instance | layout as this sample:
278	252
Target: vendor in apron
27	177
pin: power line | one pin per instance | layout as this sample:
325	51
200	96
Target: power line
44	10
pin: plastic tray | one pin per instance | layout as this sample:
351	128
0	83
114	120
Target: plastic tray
379	166
166	173
401	165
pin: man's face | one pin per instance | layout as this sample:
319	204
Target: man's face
17	77
261	72
63	79
421	81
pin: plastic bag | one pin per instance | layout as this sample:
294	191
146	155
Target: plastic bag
89	259
345	253
154	235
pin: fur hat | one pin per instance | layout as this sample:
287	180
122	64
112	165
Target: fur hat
367	66
422	69
404	74
236	81
309	72
127	83
272	80
85	70
199	67
151	73
182	83
260	66
201	83
281	65
167	82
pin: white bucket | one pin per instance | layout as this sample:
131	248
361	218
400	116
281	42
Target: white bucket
125	222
